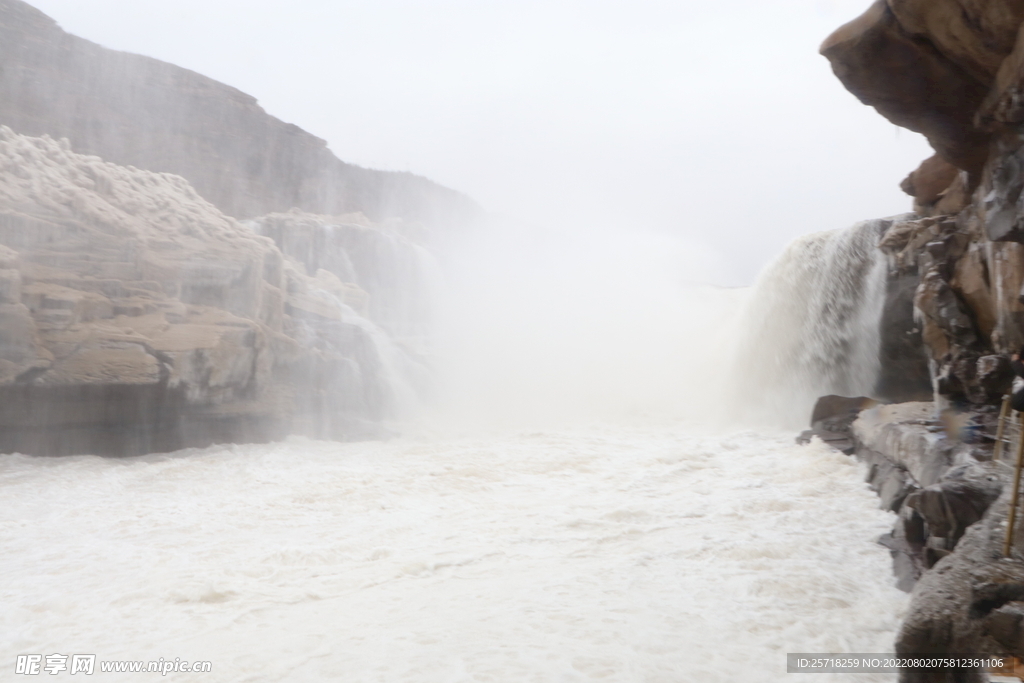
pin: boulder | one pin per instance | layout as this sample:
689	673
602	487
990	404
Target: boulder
957	501
930	181
832	419
837	413
964	604
1005	624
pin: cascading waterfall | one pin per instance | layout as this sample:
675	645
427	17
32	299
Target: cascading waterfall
396	276
405	378
811	326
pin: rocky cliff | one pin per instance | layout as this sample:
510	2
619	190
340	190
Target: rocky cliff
952	70
179	268
133	110
136	317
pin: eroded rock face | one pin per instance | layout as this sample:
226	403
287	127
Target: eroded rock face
390	275
136	317
929	183
954	71
975	34
905	373
964	322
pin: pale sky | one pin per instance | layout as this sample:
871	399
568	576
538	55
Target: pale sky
714	121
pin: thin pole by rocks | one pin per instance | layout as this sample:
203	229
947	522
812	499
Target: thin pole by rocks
1011	518
1000	428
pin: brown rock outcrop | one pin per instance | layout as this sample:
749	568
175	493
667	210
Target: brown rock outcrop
954	70
136	317
904	75
134	110
975	34
930	180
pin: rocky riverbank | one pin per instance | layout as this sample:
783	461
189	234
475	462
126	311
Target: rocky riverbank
953	71
951	498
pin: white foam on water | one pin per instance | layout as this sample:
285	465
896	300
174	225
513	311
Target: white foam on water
625	553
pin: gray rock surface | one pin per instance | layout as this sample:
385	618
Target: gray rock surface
951	500
960	606
907	434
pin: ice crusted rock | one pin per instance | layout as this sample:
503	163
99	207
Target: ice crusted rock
136	317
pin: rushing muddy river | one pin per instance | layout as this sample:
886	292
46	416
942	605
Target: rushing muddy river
629	553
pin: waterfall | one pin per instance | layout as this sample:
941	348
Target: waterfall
811	326
405	379
390	279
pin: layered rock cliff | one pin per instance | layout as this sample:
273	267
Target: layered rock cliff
137	317
212	274
952	70
138	111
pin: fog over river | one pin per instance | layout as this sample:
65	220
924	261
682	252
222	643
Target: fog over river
579	501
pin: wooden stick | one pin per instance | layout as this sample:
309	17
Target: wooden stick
998	455
1011	518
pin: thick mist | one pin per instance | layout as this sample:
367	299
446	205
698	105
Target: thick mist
552	325
541	325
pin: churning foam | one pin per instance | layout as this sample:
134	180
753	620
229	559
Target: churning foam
620	554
